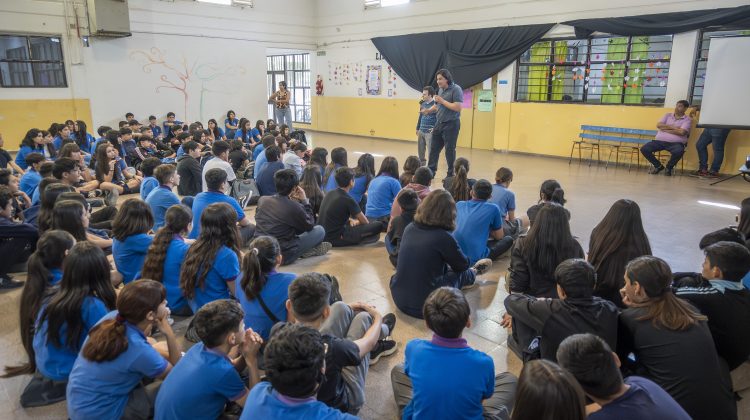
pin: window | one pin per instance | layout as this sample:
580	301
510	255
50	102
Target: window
374	4
295	70
611	70
31	61
701	59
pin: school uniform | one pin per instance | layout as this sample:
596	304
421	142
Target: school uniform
643	400
294	162
25	150
255	133
56	276
168	134
129	254
190	172
260	162
335	211
475	220
155	130
217	163
4	158
101	390
148	184
360	188
244	136
260	148
274	295
29	181
213	381
525	278
264	181
170	276
393	237
234	122
330	184
287	221
160	200
382	191
264	402
207	198
224	268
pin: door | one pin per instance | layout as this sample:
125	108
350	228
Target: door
483	116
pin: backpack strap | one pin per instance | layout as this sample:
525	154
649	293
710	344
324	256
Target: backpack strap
268	312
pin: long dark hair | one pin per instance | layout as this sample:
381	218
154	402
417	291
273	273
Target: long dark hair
548	392
338	157
365	167
744	223
28	139
241	127
663	308
311	182
319	156
86	273
81	135
102	160
49	254
215	131
549	241
67	215
617	239
552	191
218	228
49	194
261	260
459	187
177	219
134	217
108	339
437	209
389	167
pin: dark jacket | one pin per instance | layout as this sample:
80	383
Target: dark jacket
426	253
393	237
284	219
190	172
524	278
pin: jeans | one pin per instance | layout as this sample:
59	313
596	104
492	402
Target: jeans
307	241
283	116
717	137
496	407
498	248
676	150
360	234
444	134
423	142
453	279
246	234
343	322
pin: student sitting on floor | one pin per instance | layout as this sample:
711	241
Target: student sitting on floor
459	185
165	256
411	164
596	367
293	158
692	279
671	343
51	191
46	172
116	357
479	225
220	150
21	202
474	391
539	325
363	175
547	391
261	161
355	335
149	182
506	202
295	362
420	184
216	181
408	201
311	182
71	215
264	291
110	174
549	192
430	257
31	178
85	296
264	180
212	263
382	192
287	216
189	169
162	198
341	217
131	239
338	159
214	378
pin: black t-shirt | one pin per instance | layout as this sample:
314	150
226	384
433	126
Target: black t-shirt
237	158
4	158
341	353
335	210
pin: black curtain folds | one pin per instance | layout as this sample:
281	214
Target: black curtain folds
471	55
663	23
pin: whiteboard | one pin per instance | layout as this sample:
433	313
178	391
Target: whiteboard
727	87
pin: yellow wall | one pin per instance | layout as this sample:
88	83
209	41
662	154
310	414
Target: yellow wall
18	116
539	128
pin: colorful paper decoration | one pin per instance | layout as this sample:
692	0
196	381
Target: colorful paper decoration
662	83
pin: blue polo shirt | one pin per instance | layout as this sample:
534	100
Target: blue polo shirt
29	181
56	276
205	199
160	200
260	162
331	184
213	382
380	195
100	390
36	197
257	137
475	219
155	130
225	268
274	295
264	180
25	150
130	254
148	184
429	363
644	400
56	362
504	198
170	276
265	403
359	189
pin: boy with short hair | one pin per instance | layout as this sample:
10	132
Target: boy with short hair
425	122
220	150
355	335
171	125
408	201
31	178
597	368
190	170
295	365
479	225
421	386
216	181
149	183
505	200
162	198
206	378
155	129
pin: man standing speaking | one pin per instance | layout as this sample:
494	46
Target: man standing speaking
448	103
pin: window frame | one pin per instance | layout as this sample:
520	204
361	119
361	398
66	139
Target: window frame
586	65
698	58
272	72
31	61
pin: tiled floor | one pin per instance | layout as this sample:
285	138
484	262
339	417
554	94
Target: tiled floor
673	217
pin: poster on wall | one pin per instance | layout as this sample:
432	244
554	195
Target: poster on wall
468	97
373	79
485	100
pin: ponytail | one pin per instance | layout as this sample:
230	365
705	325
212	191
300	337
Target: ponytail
459	187
177	219
552	191
257	263
558	196
106	341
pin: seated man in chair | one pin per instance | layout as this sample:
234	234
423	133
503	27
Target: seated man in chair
674	129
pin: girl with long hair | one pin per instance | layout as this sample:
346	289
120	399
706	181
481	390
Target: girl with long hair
258	131
213	261
616	240
411	165
49	151
47	204
382	191
106	377
72	217
549	192
535	257
165	256
548	392
33	142
310	182
244	133
130	229
671	342
231	124
83	139
110	174
319	157
363	175
216	132
264	291
459	185
44	273
338	159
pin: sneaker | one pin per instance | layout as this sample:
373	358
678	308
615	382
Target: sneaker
699	173
669	172
482	266
382	348
335	292
711	175
7	283
655	170
390	321
320	249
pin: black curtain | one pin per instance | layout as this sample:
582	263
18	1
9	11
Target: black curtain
471	55
663	23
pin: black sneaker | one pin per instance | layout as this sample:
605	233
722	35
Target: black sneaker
711	175
383	348
320	249
335	292
7	283
669	172
482	266
655	170
390	321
